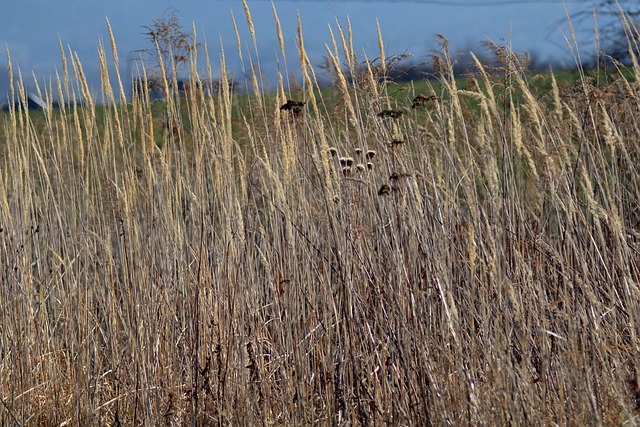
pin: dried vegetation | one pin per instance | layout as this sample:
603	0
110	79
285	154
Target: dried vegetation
466	257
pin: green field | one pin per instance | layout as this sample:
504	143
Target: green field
368	257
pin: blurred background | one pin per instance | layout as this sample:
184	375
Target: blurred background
32	30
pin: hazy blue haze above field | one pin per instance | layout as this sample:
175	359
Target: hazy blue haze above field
31	28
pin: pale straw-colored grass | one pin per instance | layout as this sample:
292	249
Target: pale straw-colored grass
208	260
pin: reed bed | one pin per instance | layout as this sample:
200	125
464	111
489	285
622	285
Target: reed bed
465	256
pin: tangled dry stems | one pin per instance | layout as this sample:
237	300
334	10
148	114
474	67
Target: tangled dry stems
225	269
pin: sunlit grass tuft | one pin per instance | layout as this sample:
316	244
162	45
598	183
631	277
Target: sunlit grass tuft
454	253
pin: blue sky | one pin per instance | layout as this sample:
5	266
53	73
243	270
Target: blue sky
31	28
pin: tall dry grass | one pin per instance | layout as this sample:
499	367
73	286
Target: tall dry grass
351	261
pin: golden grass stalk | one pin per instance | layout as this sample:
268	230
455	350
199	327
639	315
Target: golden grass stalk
279	33
252	30
209	259
239	43
383	57
342	86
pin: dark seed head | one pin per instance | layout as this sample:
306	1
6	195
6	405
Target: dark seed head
421	100
295	107
385	189
393	114
395	176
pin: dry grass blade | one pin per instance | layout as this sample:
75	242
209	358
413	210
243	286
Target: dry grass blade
321	257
